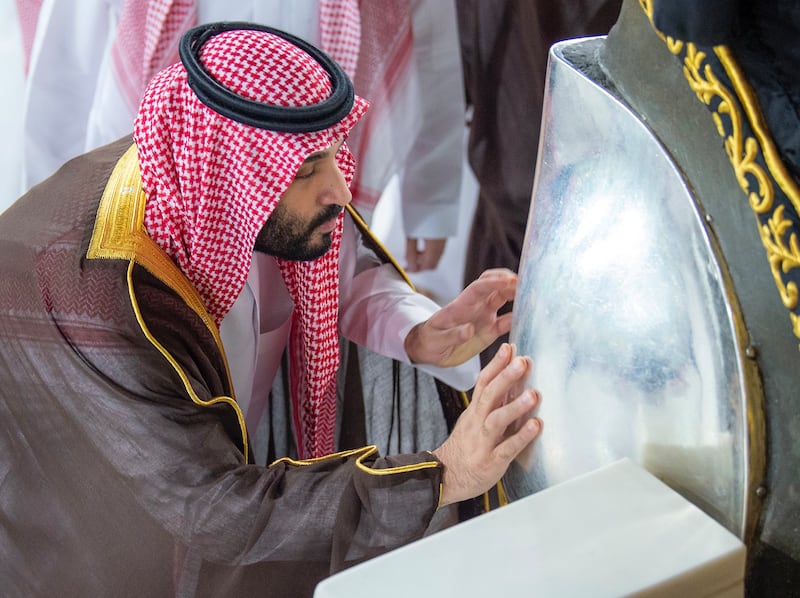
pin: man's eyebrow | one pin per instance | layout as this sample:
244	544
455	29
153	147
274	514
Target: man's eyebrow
316	156
322	154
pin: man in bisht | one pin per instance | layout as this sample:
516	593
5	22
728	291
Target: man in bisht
127	466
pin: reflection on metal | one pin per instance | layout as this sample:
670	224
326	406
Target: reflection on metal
624	307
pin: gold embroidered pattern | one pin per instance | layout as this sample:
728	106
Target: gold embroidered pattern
746	154
783	252
777	230
119	234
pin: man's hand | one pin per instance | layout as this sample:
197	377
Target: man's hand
467	325
492	431
425	258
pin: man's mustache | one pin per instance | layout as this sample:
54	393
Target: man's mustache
328	213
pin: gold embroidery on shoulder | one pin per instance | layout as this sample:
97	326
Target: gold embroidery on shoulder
119	233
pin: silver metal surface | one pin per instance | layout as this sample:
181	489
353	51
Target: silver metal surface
623	306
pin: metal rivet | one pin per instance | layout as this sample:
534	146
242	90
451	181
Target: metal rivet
761	491
751	352
709	218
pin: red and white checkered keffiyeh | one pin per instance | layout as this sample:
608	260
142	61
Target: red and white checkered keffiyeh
146	40
340	32
28	15
212	183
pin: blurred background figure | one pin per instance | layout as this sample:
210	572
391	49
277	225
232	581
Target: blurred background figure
94	60
10	103
504	45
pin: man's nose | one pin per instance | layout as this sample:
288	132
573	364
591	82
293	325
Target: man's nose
336	190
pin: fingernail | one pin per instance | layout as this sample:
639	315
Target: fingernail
527	398
534	425
518	365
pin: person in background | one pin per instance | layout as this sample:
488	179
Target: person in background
94	61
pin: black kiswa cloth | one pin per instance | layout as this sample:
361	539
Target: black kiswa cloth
763	38
749	53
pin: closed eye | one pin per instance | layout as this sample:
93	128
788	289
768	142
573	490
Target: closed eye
307	167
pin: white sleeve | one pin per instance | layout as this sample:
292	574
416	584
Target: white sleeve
430	185
377	309
111	114
298	17
69	48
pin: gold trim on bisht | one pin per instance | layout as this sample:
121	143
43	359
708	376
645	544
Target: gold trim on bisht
361	455
119	233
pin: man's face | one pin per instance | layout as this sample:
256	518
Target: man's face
301	225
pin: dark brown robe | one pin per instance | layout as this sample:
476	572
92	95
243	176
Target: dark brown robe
124	467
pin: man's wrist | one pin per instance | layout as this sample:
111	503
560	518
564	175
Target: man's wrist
439	502
444	485
412	342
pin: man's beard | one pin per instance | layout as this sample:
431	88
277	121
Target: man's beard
285	236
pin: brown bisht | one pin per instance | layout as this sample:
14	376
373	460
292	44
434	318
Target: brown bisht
125	467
